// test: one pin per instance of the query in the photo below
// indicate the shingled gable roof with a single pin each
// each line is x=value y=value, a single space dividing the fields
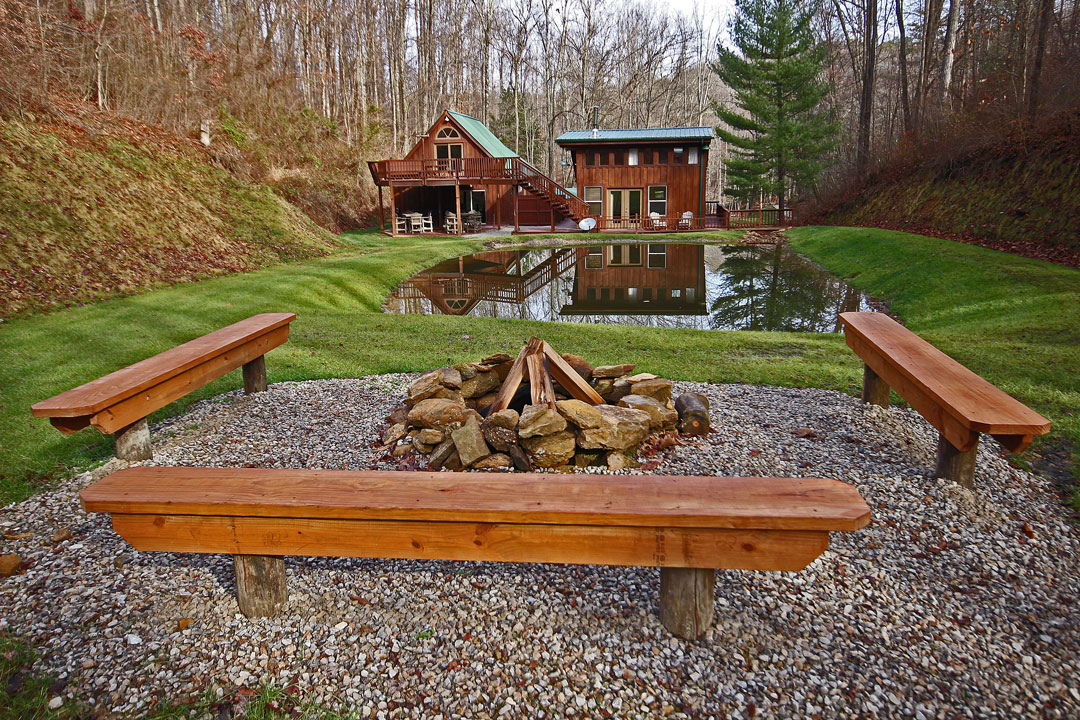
x=673 y=134
x=483 y=137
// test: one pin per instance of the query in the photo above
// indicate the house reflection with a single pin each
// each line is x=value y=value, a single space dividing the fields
x=641 y=279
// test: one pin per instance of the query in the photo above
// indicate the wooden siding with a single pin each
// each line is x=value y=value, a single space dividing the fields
x=425 y=148
x=684 y=182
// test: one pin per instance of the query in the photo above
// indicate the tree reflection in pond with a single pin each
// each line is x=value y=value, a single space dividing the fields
x=769 y=287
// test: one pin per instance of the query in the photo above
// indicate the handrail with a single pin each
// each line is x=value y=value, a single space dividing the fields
x=514 y=170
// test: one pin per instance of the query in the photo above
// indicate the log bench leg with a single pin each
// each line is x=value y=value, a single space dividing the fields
x=686 y=600
x=874 y=389
x=956 y=465
x=255 y=375
x=133 y=442
x=260 y=584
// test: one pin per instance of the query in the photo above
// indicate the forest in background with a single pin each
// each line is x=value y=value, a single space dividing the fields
x=299 y=94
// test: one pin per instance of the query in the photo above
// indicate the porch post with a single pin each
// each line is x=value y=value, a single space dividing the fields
x=498 y=207
x=457 y=208
x=517 y=221
x=393 y=211
x=552 y=208
x=382 y=213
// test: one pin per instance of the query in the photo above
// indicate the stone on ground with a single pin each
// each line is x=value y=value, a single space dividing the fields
x=581 y=414
x=540 y=420
x=621 y=429
x=548 y=451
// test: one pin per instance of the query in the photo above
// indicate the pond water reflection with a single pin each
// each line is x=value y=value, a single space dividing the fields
x=710 y=287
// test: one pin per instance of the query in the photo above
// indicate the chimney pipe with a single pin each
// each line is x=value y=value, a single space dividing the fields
x=596 y=121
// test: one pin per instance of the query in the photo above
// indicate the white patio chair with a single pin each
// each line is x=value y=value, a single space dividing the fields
x=425 y=224
x=657 y=222
x=415 y=223
x=451 y=223
x=401 y=224
x=686 y=220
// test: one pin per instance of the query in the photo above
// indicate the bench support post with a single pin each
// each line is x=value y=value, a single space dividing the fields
x=956 y=465
x=686 y=600
x=133 y=441
x=255 y=375
x=260 y=584
x=874 y=390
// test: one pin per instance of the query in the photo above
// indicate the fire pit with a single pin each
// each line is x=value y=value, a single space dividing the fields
x=540 y=410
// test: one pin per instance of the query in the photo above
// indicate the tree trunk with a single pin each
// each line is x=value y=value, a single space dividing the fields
x=1046 y=11
x=948 y=55
x=905 y=103
x=866 y=100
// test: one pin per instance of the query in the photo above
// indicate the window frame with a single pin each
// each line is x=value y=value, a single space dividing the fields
x=449 y=151
x=599 y=201
x=651 y=200
x=447 y=133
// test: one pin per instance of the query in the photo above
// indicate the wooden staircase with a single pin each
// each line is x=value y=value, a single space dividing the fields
x=539 y=184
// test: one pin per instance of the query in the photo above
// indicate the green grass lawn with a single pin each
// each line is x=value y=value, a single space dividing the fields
x=1006 y=318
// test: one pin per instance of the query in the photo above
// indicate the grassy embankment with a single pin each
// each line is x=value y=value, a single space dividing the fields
x=1004 y=317
x=97 y=206
x=1012 y=320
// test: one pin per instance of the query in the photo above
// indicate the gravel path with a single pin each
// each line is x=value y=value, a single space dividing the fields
x=950 y=604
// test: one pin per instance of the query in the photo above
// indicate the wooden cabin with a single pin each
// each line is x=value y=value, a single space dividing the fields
x=642 y=179
x=461 y=178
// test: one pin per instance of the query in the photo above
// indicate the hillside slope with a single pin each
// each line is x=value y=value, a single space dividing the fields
x=93 y=205
x=1019 y=193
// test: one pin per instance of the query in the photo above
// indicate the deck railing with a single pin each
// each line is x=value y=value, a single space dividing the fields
x=761 y=217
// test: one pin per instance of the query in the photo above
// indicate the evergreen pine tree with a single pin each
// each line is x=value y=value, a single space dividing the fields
x=777 y=130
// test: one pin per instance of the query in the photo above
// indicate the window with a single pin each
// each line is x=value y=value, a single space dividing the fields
x=679 y=156
x=594 y=198
x=594 y=259
x=445 y=151
x=657 y=256
x=624 y=255
x=632 y=157
x=447 y=132
x=592 y=158
x=661 y=156
x=658 y=199
x=605 y=158
x=676 y=293
x=692 y=160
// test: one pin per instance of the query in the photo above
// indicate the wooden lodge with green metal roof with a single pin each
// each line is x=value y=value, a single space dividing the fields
x=460 y=178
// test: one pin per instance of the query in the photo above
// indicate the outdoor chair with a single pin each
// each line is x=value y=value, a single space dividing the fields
x=656 y=221
x=415 y=223
x=686 y=220
x=451 y=223
x=401 y=224
x=425 y=224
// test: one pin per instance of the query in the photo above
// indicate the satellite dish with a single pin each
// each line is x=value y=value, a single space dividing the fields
x=587 y=224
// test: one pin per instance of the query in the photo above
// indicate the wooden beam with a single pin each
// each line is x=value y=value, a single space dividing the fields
x=382 y=212
x=566 y=376
x=513 y=380
x=457 y=209
x=502 y=542
x=260 y=584
x=874 y=390
x=956 y=465
x=535 y=364
x=686 y=600
x=138 y=406
x=517 y=220
x=255 y=375
x=393 y=210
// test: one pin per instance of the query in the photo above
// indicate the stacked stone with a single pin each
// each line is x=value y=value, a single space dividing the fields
x=440 y=419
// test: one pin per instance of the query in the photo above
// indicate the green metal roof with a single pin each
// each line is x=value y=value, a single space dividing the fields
x=479 y=132
x=690 y=134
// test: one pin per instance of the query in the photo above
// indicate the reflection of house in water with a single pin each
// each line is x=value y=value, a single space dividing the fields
x=647 y=279
x=456 y=286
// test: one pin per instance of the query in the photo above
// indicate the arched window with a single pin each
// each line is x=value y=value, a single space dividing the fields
x=447 y=132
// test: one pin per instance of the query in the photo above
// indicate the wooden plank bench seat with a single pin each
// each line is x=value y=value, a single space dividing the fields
x=956 y=401
x=119 y=402
x=687 y=526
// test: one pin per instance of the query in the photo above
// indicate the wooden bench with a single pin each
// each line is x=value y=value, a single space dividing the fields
x=956 y=401
x=119 y=402
x=687 y=526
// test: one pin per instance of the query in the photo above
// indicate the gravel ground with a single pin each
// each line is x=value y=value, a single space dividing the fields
x=950 y=604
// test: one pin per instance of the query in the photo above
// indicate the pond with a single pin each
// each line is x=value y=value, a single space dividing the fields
x=708 y=287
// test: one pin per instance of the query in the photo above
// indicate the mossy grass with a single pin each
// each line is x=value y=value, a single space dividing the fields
x=1012 y=320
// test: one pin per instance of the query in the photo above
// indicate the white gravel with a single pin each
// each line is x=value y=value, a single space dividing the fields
x=950 y=604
